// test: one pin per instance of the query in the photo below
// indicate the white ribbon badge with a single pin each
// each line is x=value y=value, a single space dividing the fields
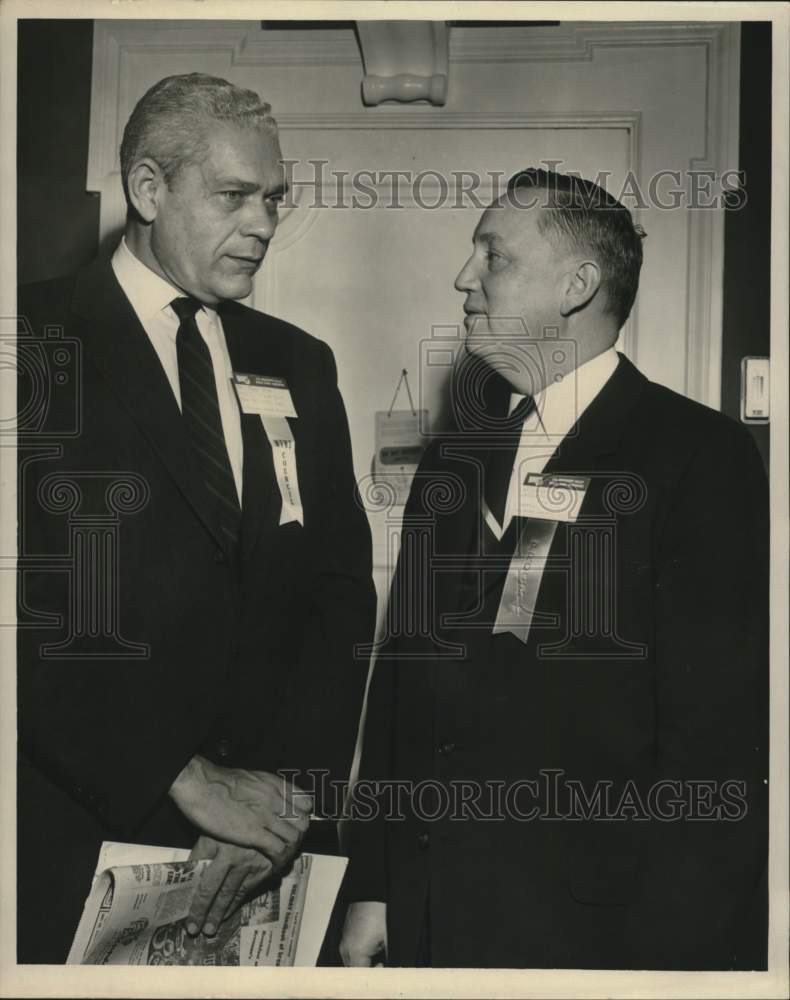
x=283 y=447
x=516 y=612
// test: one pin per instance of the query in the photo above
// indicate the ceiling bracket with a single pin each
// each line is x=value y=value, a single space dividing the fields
x=405 y=61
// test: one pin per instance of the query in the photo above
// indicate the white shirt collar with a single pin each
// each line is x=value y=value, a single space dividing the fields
x=557 y=408
x=148 y=292
x=560 y=404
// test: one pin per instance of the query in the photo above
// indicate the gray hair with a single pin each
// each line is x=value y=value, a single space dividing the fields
x=170 y=121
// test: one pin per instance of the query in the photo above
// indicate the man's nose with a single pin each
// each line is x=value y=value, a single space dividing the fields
x=262 y=223
x=466 y=281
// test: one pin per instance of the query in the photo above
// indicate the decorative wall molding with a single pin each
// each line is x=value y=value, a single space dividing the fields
x=396 y=119
x=326 y=47
x=575 y=41
x=431 y=118
x=705 y=281
x=252 y=46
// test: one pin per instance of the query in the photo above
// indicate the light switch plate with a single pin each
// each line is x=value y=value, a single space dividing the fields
x=755 y=390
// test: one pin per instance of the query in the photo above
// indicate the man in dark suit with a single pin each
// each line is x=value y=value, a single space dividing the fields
x=565 y=751
x=195 y=568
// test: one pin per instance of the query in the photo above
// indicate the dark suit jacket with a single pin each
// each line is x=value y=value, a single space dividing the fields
x=143 y=639
x=650 y=667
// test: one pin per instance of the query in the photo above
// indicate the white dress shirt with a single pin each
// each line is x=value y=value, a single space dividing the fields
x=557 y=408
x=150 y=296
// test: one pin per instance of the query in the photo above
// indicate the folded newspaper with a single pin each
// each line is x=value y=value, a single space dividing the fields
x=136 y=913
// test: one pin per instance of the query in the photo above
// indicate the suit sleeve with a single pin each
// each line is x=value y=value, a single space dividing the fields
x=112 y=732
x=711 y=629
x=366 y=832
x=340 y=610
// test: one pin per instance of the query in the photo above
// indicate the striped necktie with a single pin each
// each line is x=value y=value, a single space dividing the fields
x=200 y=408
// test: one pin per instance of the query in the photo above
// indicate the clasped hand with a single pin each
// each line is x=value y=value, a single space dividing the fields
x=253 y=823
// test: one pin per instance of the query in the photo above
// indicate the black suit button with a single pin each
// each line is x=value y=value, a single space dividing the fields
x=446 y=748
x=219 y=556
x=224 y=748
x=424 y=841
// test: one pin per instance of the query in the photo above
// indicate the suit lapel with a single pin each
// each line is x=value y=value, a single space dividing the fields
x=259 y=490
x=595 y=435
x=598 y=431
x=460 y=534
x=119 y=346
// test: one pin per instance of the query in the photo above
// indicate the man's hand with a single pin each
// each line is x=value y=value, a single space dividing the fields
x=246 y=808
x=364 y=934
x=233 y=875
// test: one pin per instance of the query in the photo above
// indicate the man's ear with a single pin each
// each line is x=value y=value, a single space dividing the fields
x=145 y=185
x=581 y=286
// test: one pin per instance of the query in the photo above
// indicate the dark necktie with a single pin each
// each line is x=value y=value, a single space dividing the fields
x=501 y=457
x=200 y=408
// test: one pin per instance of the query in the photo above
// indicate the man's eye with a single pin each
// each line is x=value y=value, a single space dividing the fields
x=233 y=197
x=493 y=259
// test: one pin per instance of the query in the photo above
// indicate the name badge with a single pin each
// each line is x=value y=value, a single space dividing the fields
x=283 y=447
x=269 y=397
x=266 y=395
x=552 y=496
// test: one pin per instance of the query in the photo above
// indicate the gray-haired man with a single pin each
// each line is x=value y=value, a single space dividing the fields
x=242 y=577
